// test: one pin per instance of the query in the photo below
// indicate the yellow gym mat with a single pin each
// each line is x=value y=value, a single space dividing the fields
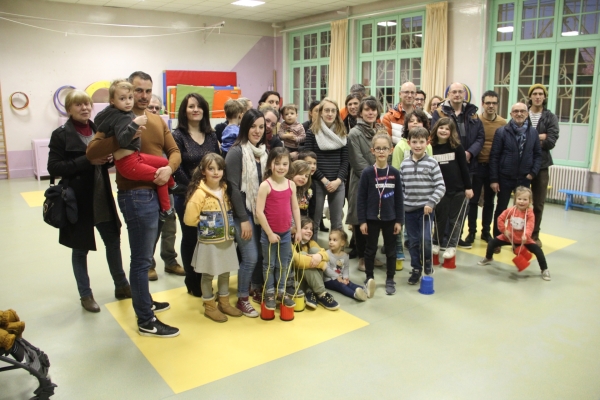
x=34 y=199
x=231 y=347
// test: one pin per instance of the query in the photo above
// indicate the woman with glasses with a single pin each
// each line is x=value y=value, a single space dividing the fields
x=327 y=138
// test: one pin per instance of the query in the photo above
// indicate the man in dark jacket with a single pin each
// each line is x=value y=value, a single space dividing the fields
x=515 y=158
x=546 y=124
x=470 y=129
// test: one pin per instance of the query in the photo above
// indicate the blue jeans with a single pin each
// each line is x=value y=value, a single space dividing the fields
x=347 y=290
x=111 y=236
x=140 y=210
x=416 y=247
x=250 y=251
x=273 y=270
x=189 y=239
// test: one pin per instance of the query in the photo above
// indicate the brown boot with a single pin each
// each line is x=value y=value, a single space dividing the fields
x=90 y=304
x=16 y=328
x=152 y=275
x=226 y=308
x=8 y=316
x=211 y=311
x=123 y=292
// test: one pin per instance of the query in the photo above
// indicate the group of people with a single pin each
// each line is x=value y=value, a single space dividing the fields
x=250 y=194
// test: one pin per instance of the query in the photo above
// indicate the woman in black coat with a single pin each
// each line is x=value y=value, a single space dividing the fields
x=95 y=204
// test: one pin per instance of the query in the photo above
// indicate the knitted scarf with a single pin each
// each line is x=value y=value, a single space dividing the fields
x=328 y=140
x=250 y=180
x=520 y=134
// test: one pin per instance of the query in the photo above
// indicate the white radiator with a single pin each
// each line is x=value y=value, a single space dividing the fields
x=570 y=178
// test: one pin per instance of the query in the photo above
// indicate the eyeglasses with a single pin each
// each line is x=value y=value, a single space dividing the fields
x=419 y=99
x=491 y=103
x=157 y=108
x=408 y=92
x=457 y=92
x=329 y=110
x=381 y=149
x=519 y=111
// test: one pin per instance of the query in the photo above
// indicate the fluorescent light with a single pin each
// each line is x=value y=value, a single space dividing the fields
x=248 y=3
x=570 y=33
x=418 y=34
x=506 y=29
x=387 y=23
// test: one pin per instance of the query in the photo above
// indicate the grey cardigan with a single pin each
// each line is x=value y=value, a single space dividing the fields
x=233 y=167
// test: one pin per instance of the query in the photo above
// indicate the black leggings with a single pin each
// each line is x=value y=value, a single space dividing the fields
x=534 y=248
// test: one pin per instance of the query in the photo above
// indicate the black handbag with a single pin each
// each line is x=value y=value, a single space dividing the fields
x=60 y=206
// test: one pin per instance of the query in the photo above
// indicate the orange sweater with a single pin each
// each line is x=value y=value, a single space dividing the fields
x=517 y=223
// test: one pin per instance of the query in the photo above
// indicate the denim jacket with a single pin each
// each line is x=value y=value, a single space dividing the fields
x=212 y=216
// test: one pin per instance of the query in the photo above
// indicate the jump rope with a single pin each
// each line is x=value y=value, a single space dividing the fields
x=461 y=218
x=506 y=223
x=279 y=280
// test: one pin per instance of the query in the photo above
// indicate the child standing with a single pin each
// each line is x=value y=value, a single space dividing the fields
x=275 y=206
x=233 y=112
x=300 y=173
x=380 y=207
x=450 y=155
x=423 y=189
x=517 y=223
x=118 y=120
x=337 y=274
x=208 y=208
x=310 y=260
x=292 y=131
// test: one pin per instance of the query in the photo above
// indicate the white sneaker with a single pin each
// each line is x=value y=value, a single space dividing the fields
x=546 y=275
x=449 y=253
x=435 y=249
x=485 y=261
x=361 y=264
x=370 y=287
x=360 y=294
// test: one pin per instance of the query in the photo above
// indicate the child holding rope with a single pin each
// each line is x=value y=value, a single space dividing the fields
x=452 y=208
x=518 y=223
x=275 y=206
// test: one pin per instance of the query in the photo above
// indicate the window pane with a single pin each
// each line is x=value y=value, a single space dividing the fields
x=589 y=24
x=310 y=85
x=324 y=81
x=528 y=29
x=581 y=109
x=572 y=7
x=416 y=71
x=296 y=79
x=570 y=24
x=366 y=74
x=386 y=35
x=585 y=66
x=545 y=28
x=502 y=70
x=527 y=63
x=367 y=45
x=325 y=43
x=367 y=31
x=504 y=94
x=385 y=81
x=506 y=12
x=296 y=47
x=530 y=9
x=542 y=72
x=563 y=104
x=567 y=67
x=367 y=38
x=417 y=24
x=546 y=8
x=591 y=5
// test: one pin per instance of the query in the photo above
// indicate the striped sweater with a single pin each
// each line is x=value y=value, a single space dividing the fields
x=422 y=182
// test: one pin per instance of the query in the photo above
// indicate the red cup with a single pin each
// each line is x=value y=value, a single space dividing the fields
x=266 y=315
x=436 y=259
x=449 y=263
x=286 y=313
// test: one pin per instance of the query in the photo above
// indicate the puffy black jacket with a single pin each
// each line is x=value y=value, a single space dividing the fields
x=547 y=124
x=475 y=134
x=504 y=157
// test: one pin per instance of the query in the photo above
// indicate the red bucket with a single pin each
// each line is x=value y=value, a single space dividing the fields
x=521 y=262
x=450 y=263
x=523 y=252
x=265 y=314
x=436 y=259
x=286 y=313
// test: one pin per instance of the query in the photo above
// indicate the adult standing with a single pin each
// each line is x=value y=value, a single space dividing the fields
x=515 y=158
x=434 y=103
x=470 y=128
x=245 y=163
x=481 y=178
x=327 y=138
x=271 y=116
x=138 y=202
x=352 y=105
x=420 y=98
x=195 y=138
x=313 y=113
x=271 y=98
x=361 y=157
x=393 y=120
x=169 y=228
x=357 y=89
x=546 y=124
x=95 y=204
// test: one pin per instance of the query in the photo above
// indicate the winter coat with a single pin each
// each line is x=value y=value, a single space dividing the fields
x=475 y=134
x=504 y=157
x=393 y=120
x=212 y=216
x=302 y=255
x=517 y=223
x=359 y=151
x=67 y=159
x=548 y=124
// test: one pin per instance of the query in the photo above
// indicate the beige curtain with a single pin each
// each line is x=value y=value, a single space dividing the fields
x=596 y=153
x=435 y=52
x=338 y=61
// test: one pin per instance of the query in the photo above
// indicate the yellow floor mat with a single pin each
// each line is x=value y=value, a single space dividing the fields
x=231 y=347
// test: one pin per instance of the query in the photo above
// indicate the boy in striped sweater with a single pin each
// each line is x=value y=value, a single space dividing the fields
x=424 y=187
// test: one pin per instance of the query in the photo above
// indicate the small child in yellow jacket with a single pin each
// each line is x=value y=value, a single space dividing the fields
x=310 y=261
x=208 y=208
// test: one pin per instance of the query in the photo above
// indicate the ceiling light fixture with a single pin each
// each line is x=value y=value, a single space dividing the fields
x=506 y=29
x=570 y=33
x=248 y=3
x=387 y=23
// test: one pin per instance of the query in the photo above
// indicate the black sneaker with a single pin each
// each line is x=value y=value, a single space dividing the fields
x=327 y=301
x=429 y=270
x=486 y=237
x=157 y=306
x=470 y=238
x=414 y=277
x=156 y=328
x=464 y=244
x=311 y=300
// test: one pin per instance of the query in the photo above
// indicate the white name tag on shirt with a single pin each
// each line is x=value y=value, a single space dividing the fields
x=385 y=185
x=445 y=158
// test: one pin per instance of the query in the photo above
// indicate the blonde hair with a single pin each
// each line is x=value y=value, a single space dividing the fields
x=77 y=96
x=338 y=125
x=300 y=167
x=119 y=84
x=523 y=189
x=382 y=136
x=233 y=108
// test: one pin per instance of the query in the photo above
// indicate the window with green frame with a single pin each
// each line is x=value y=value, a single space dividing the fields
x=556 y=43
x=309 y=66
x=390 y=50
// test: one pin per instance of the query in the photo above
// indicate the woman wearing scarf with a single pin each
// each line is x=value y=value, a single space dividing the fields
x=327 y=139
x=352 y=105
x=245 y=163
